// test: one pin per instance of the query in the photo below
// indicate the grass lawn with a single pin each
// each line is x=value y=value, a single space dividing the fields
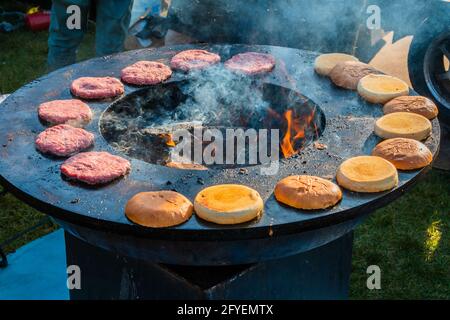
x=409 y=239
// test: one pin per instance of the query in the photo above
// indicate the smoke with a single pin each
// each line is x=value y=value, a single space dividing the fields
x=143 y=123
x=319 y=25
x=220 y=98
x=326 y=25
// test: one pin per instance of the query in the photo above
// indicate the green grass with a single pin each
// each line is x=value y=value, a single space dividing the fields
x=409 y=239
x=23 y=57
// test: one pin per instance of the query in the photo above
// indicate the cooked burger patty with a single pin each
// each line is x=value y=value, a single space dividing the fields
x=146 y=73
x=63 y=140
x=251 y=63
x=95 y=167
x=193 y=59
x=73 y=111
x=96 y=88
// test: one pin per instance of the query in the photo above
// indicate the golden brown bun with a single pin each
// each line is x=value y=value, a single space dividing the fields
x=403 y=125
x=228 y=204
x=404 y=154
x=307 y=192
x=326 y=62
x=347 y=74
x=158 y=209
x=415 y=104
x=380 y=88
x=367 y=174
x=186 y=166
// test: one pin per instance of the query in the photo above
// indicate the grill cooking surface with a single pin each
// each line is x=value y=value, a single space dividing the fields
x=36 y=178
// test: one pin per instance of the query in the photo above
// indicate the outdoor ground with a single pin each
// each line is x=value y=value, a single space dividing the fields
x=409 y=239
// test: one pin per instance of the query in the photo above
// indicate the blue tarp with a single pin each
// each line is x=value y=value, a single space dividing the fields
x=36 y=270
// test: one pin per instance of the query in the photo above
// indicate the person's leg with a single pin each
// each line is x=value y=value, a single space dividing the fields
x=113 y=19
x=63 y=42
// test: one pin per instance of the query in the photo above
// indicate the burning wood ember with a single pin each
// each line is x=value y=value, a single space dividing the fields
x=166 y=132
x=320 y=146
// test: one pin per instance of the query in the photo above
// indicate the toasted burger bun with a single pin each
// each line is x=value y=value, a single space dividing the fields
x=347 y=74
x=158 y=209
x=380 y=88
x=415 y=104
x=326 y=62
x=307 y=192
x=404 y=154
x=403 y=125
x=367 y=174
x=228 y=204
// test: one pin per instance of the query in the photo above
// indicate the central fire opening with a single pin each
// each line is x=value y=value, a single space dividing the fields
x=145 y=123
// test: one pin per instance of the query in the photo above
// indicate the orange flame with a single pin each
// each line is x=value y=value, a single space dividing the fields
x=295 y=131
x=168 y=139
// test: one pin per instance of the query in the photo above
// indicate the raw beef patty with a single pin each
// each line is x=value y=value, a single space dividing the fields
x=73 y=111
x=96 y=88
x=193 y=59
x=251 y=63
x=95 y=167
x=63 y=140
x=146 y=73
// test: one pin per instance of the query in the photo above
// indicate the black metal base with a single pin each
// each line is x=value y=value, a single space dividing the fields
x=322 y=273
x=443 y=158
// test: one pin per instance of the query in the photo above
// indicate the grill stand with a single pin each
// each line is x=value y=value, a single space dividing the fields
x=96 y=216
x=442 y=161
x=321 y=273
